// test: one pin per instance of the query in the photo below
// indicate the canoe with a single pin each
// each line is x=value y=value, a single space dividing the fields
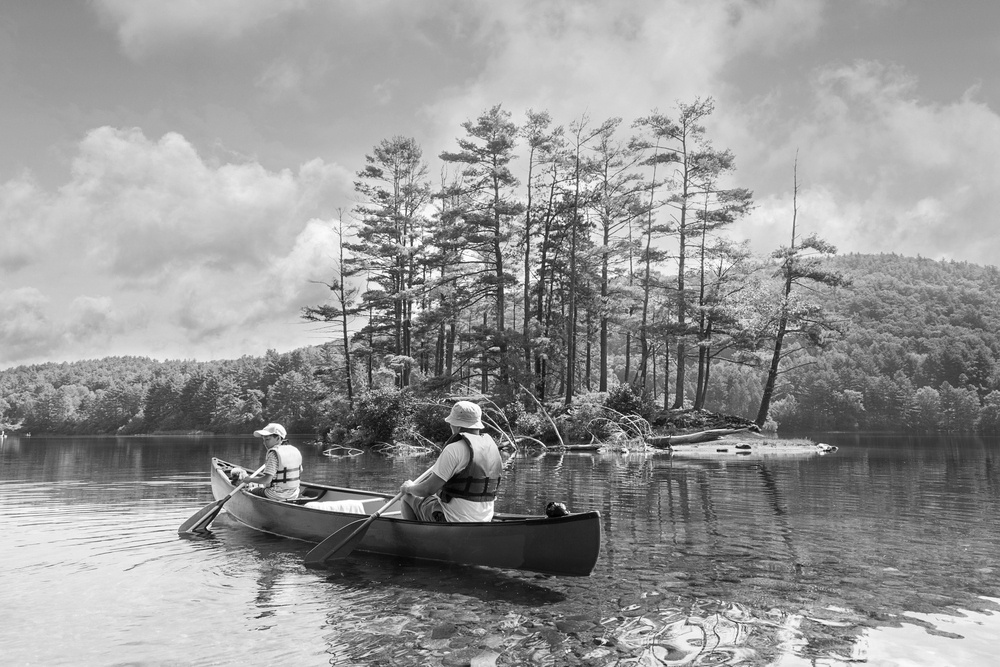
x=564 y=546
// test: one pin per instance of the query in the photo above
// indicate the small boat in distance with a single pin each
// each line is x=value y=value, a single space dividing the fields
x=565 y=546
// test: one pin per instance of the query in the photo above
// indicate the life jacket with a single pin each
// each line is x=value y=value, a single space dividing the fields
x=289 y=467
x=480 y=479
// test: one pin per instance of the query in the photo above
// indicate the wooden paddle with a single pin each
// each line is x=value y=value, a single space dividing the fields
x=341 y=543
x=206 y=515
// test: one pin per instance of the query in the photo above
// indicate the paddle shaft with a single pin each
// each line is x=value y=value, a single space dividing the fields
x=338 y=546
x=200 y=519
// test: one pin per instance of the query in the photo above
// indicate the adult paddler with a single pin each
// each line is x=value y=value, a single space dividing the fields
x=462 y=484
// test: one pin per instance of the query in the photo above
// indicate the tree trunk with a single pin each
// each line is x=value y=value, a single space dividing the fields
x=772 y=375
x=681 y=297
x=484 y=382
x=449 y=355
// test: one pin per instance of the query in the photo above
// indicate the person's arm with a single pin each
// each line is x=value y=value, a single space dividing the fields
x=270 y=469
x=263 y=479
x=428 y=487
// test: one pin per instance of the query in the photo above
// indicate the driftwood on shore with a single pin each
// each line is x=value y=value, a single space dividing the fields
x=667 y=441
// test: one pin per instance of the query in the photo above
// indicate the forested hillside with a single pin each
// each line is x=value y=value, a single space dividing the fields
x=919 y=351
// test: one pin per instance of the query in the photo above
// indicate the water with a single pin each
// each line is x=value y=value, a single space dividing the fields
x=884 y=553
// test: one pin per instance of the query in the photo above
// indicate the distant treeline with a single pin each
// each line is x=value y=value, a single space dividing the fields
x=920 y=352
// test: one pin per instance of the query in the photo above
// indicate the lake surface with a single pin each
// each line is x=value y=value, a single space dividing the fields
x=883 y=553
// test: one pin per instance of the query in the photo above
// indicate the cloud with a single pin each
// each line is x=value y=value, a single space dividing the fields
x=280 y=78
x=615 y=59
x=147 y=209
x=384 y=91
x=275 y=290
x=882 y=170
x=25 y=328
x=31 y=328
x=143 y=25
x=294 y=78
x=21 y=244
x=184 y=245
x=771 y=28
x=92 y=320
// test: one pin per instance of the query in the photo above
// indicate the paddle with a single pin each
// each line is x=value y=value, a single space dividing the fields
x=341 y=543
x=199 y=522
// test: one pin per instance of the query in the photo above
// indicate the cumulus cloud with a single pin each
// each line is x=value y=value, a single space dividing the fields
x=148 y=209
x=185 y=245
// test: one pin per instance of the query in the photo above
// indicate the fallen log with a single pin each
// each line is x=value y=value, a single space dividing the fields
x=666 y=441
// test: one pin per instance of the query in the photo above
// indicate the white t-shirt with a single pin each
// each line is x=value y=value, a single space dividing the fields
x=452 y=461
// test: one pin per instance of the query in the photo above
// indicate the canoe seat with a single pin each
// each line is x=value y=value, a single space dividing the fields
x=310 y=494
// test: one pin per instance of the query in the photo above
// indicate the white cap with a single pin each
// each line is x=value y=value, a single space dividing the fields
x=465 y=414
x=271 y=429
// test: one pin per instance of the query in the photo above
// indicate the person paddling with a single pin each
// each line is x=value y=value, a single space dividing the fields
x=463 y=482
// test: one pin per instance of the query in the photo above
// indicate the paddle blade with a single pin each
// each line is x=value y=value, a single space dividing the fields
x=339 y=544
x=202 y=518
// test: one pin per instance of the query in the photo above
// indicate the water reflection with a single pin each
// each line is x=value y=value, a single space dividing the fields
x=885 y=549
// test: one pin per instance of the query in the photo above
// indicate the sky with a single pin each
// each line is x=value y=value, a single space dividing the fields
x=171 y=172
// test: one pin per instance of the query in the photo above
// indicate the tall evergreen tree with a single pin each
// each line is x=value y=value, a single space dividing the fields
x=617 y=204
x=394 y=191
x=719 y=208
x=655 y=144
x=487 y=208
x=542 y=142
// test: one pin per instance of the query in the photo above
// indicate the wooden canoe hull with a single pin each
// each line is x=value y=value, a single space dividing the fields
x=565 y=546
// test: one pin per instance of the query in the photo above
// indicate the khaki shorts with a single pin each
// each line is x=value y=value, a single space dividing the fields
x=429 y=509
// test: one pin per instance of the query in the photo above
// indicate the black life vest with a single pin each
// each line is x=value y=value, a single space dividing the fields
x=480 y=479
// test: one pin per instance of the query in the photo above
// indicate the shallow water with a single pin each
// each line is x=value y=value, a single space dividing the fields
x=883 y=553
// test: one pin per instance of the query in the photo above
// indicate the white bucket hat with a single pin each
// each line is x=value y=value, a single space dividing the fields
x=271 y=429
x=465 y=414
